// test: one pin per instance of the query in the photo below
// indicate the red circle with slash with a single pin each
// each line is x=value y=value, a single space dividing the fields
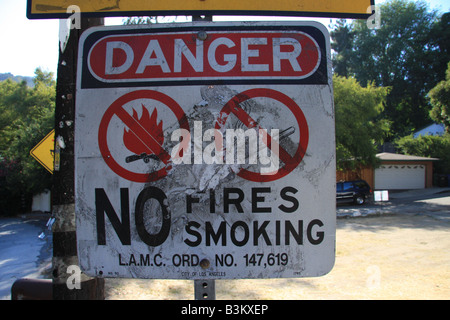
x=116 y=108
x=290 y=162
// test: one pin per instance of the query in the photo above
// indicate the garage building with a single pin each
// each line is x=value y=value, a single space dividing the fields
x=398 y=171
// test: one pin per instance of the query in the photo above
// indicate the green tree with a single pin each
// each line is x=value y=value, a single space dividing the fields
x=440 y=35
x=440 y=100
x=428 y=146
x=27 y=115
x=342 y=46
x=404 y=54
x=358 y=127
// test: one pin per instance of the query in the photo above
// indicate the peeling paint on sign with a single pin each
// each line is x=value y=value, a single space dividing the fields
x=189 y=175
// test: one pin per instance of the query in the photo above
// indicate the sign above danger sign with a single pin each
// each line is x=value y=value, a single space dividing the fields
x=46 y=9
x=205 y=151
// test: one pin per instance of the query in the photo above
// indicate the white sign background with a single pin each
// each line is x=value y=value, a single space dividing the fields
x=221 y=225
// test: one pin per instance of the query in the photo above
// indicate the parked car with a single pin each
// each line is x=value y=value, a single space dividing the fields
x=357 y=191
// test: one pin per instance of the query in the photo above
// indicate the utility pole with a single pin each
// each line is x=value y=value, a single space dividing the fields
x=65 y=253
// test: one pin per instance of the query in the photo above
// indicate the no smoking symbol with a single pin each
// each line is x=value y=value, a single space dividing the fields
x=290 y=162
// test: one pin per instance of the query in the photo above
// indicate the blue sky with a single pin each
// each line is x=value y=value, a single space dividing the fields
x=28 y=44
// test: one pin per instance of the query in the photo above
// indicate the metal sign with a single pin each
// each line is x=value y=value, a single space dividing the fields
x=45 y=9
x=205 y=151
x=43 y=152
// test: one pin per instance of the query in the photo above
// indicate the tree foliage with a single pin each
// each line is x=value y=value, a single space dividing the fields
x=440 y=100
x=407 y=53
x=428 y=146
x=342 y=46
x=26 y=116
x=358 y=127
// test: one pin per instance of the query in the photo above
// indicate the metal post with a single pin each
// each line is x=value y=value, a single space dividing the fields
x=63 y=197
x=204 y=289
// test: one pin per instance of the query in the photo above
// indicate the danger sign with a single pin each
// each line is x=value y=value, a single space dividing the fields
x=205 y=151
x=211 y=55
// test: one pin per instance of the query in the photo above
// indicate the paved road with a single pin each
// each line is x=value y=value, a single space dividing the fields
x=433 y=202
x=22 y=253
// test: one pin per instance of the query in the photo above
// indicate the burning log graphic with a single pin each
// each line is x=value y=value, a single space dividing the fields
x=138 y=145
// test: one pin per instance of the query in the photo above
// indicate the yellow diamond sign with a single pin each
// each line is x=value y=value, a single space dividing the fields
x=43 y=152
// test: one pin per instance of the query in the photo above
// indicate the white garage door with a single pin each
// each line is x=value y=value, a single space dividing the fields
x=400 y=177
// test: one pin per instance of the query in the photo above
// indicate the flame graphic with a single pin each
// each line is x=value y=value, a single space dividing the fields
x=150 y=123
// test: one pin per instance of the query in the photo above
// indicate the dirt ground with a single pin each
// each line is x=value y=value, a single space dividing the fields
x=381 y=257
